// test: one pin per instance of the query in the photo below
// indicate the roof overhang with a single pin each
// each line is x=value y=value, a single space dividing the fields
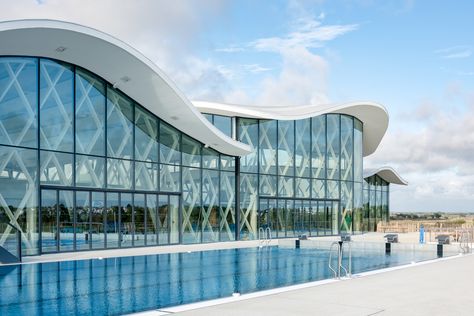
x=121 y=65
x=373 y=115
x=386 y=173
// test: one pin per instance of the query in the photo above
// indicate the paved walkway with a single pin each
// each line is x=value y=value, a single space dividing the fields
x=439 y=288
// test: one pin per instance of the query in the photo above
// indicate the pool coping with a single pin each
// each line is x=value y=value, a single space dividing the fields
x=242 y=297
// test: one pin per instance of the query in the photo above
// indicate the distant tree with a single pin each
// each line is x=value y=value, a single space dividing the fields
x=437 y=215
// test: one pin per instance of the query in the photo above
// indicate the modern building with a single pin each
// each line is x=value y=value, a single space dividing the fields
x=99 y=149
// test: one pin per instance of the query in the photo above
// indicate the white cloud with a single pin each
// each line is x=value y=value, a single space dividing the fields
x=436 y=157
x=455 y=52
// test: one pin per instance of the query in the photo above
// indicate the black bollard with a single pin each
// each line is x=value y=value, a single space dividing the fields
x=297 y=244
x=440 y=250
x=388 y=248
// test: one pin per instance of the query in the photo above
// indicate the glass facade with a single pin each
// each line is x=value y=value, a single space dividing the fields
x=375 y=203
x=308 y=173
x=83 y=166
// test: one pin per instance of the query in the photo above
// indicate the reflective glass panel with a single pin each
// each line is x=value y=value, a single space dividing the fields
x=170 y=178
x=303 y=147
x=66 y=220
x=49 y=221
x=83 y=221
x=192 y=217
x=18 y=101
x=140 y=220
x=112 y=220
x=358 y=151
x=97 y=220
x=268 y=146
x=174 y=219
x=56 y=168
x=90 y=114
x=318 y=147
x=191 y=151
x=90 y=171
x=119 y=125
x=286 y=145
x=248 y=134
x=227 y=206
x=151 y=220
x=119 y=173
x=224 y=124
x=333 y=146
x=347 y=148
x=163 y=219
x=56 y=106
x=146 y=136
x=210 y=205
x=146 y=176
x=170 y=140
x=127 y=228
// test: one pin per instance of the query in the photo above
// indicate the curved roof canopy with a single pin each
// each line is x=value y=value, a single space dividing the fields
x=120 y=64
x=386 y=173
x=373 y=115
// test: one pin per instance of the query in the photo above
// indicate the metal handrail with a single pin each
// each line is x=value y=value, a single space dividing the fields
x=268 y=232
x=330 y=258
x=340 y=255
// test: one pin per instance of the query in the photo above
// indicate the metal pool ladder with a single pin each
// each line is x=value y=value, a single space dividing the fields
x=465 y=242
x=264 y=236
x=339 y=246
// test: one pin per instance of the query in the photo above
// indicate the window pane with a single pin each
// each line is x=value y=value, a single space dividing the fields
x=139 y=214
x=224 y=124
x=97 y=224
x=347 y=147
x=210 y=203
x=191 y=152
x=302 y=187
x=286 y=144
x=303 y=148
x=146 y=176
x=358 y=151
x=174 y=219
x=170 y=178
x=112 y=220
x=248 y=134
x=248 y=206
x=285 y=186
x=66 y=220
x=18 y=202
x=82 y=220
x=126 y=213
x=227 y=206
x=90 y=114
x=56 y=168
x=192 y=220
x=163 y=219
x=119 y=173
x=268 y=185
x=56 y=106
x=146 y=136
x=90 y=171
x=119 y=125
x=318 y=151
x=151 y=220
x=169 y=145
x=210 y=158
x=18 y=101
x=268 y=146
x=49 y=221
x=333 y=146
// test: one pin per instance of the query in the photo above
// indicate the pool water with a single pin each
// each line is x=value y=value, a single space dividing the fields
x=117 y=286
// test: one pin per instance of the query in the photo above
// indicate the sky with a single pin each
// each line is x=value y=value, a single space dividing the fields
x=414 y=57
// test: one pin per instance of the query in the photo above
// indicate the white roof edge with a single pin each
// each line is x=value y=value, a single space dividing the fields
x=373 y=115
x=149 y=86
x=387 y=173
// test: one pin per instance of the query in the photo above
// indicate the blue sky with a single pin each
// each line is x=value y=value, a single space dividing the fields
x=414 y=57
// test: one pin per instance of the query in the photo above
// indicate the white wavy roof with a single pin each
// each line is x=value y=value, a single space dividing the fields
x=387 y=173
x=119 y=64
x=373 y=115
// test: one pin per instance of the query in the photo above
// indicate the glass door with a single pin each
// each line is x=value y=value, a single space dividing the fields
x=49 y=221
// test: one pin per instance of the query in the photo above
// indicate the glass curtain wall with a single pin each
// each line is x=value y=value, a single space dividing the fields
x=304 y=162
x=100 y=170
x=376 y=202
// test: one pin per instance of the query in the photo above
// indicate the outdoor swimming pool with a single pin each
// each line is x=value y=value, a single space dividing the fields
x=131 y=284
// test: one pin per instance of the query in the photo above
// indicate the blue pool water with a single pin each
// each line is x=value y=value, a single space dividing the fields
x=131 y=284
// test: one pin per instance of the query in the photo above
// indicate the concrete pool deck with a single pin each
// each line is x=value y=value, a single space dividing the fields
x=442 y=287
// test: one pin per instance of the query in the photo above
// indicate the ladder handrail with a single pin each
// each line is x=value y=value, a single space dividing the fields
x=340 y=254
